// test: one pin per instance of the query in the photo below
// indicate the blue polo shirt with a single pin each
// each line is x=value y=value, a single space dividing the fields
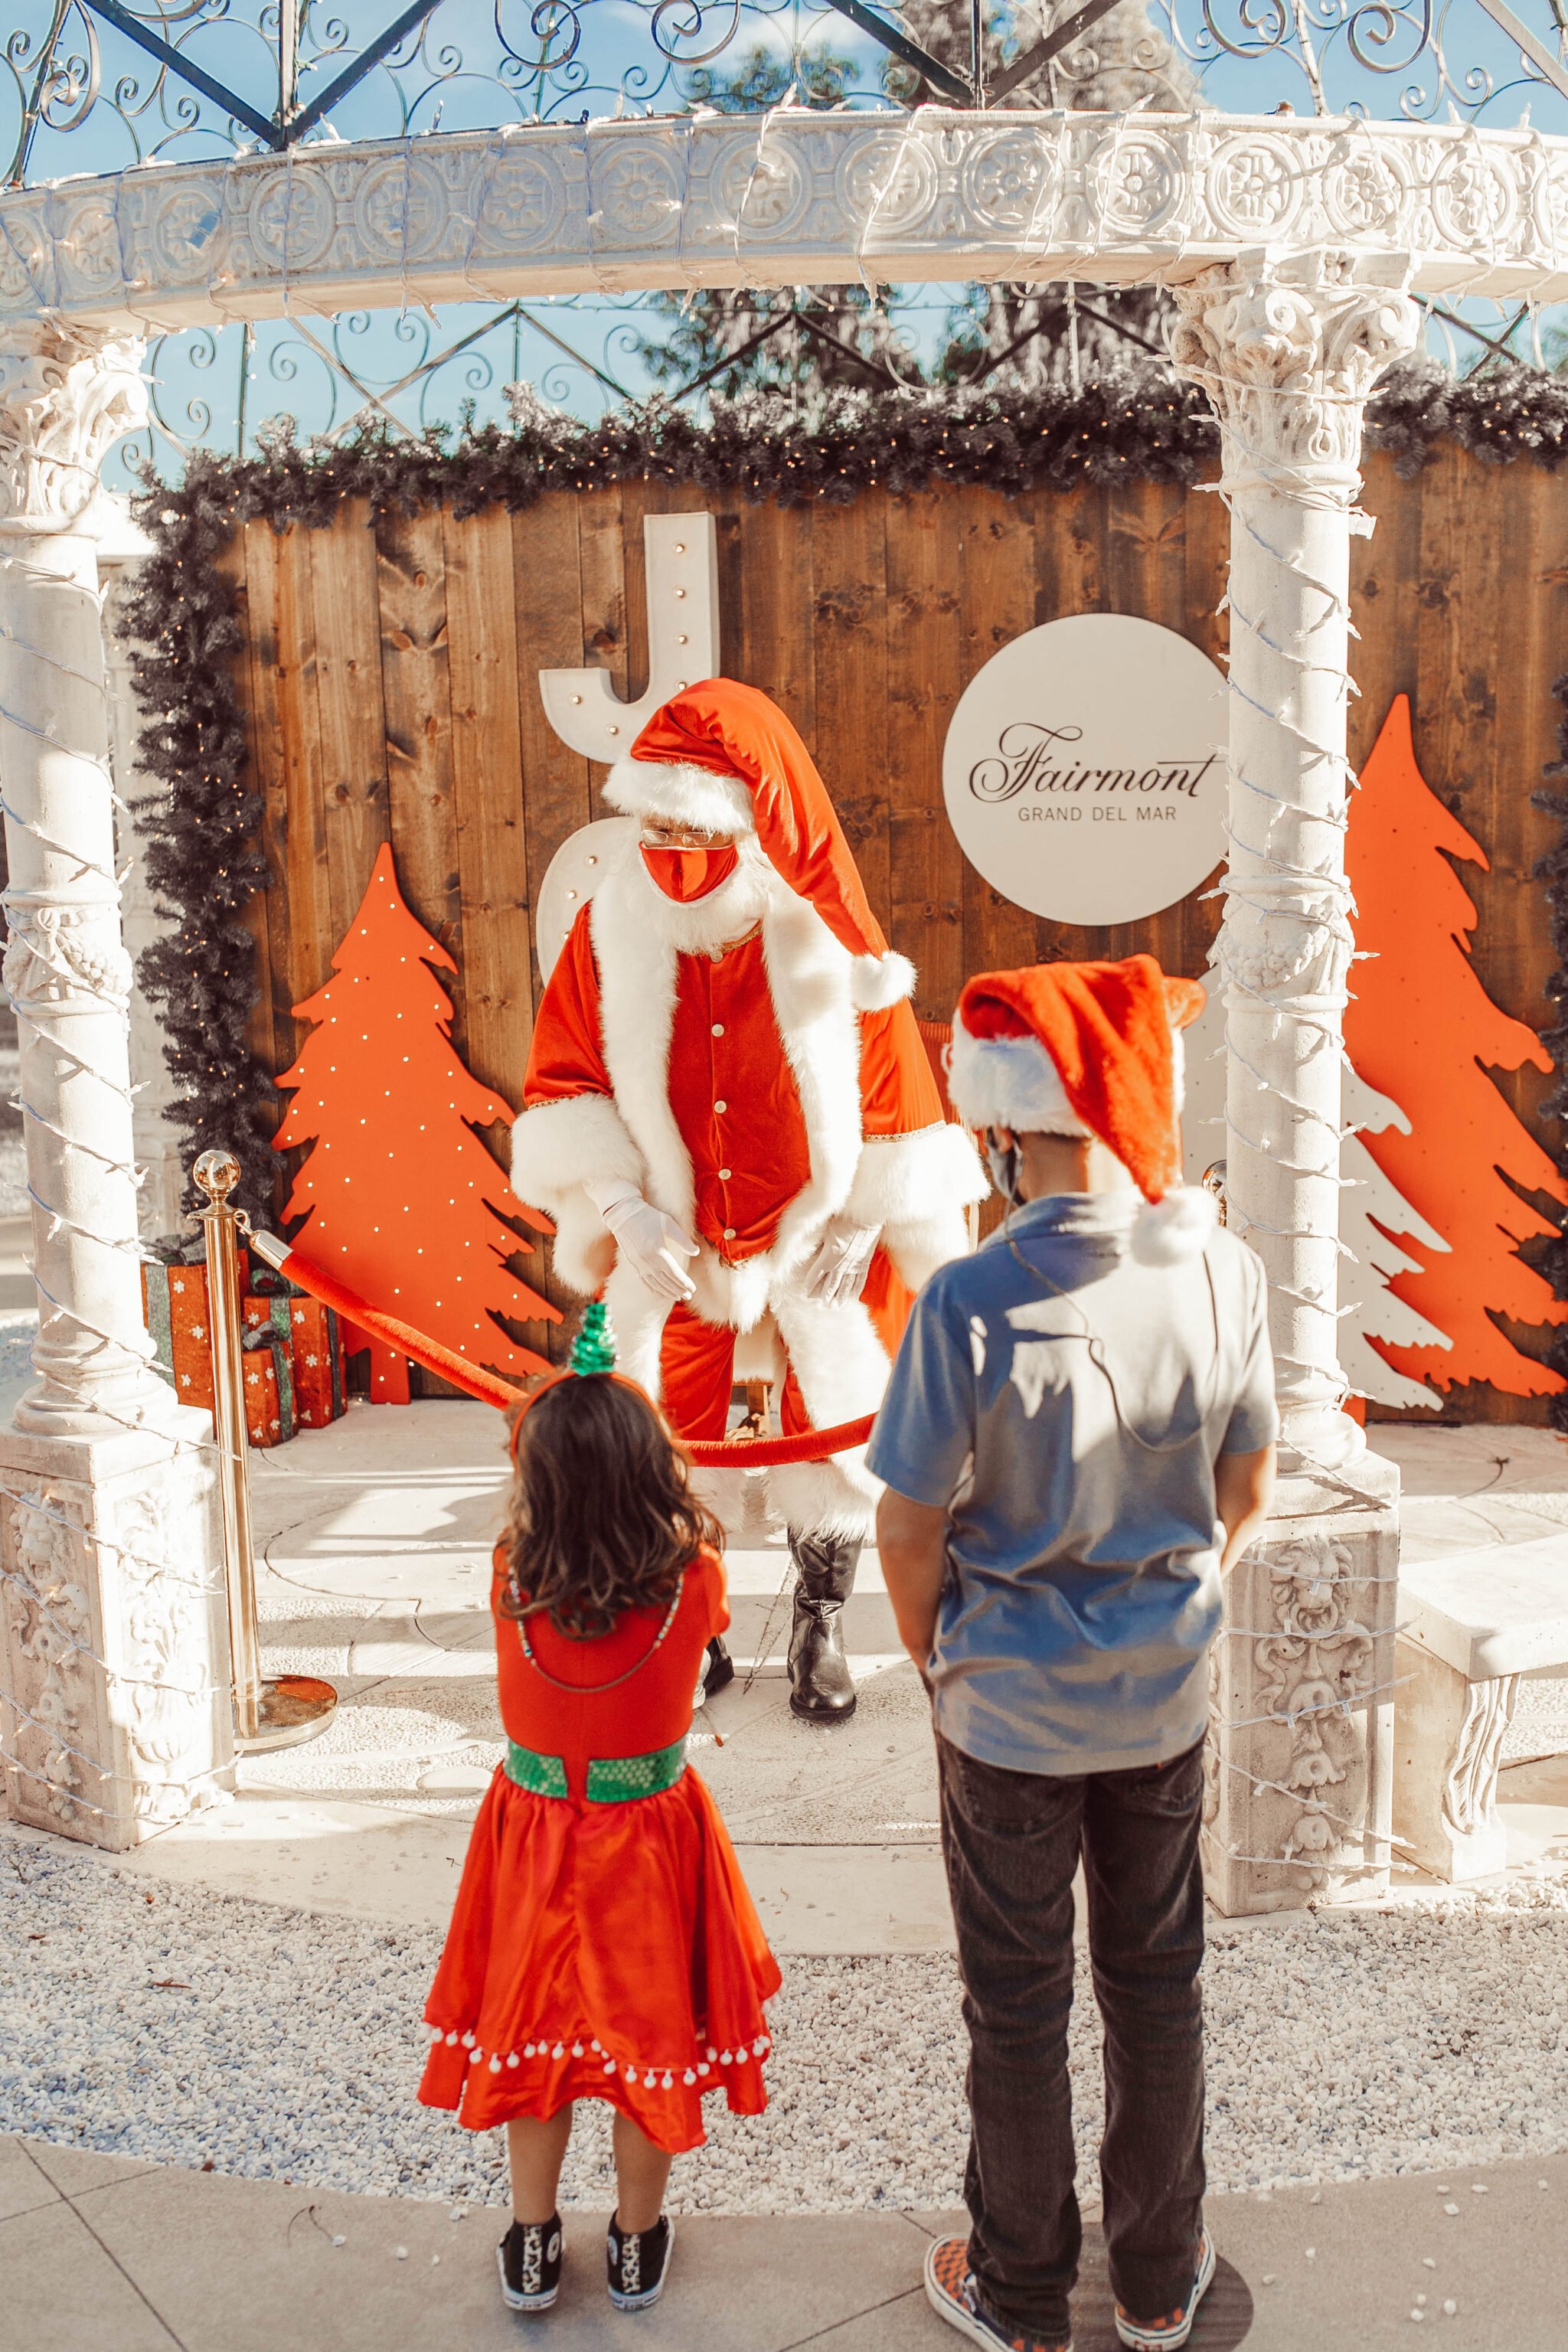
x=1067 y=1404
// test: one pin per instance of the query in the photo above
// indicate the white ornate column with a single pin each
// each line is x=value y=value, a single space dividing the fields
x=1301 y=1753
x=113 y=1669
x=1288 y=355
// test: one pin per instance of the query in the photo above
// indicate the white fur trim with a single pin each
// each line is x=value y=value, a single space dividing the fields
x=1178 y=1227
x=833 y=1498
x=842 y=1367
x=1013 y=1082
x=917 y=1188
x=556 y=1147
x=637 y=968
x=904 y=1179
x=723 y=1492
x=921 y=1248
x=638 y=1317
x=836 y=1354
x=637 y=935
x=878 y=980
x=1008 y=1082
x=680 y=794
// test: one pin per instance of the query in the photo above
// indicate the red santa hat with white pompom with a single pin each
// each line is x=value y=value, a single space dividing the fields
x=1089 y=1050
x=723 y=758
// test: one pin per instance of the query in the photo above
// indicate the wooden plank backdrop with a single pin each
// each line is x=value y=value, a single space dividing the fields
x=390 y=677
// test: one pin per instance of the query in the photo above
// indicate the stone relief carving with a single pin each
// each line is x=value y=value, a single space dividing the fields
x=51 y=954
x=158 y=1527
x=1469 y=1788
x=1312 y=1674
x=66 y=397
x=111 y=1620
x=1307 y=953
x=796 y=197
x=1287 y=351
x=1289 y=1786
x=49 y=1625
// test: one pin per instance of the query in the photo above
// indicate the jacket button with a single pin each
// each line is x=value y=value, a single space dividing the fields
x=721 y=1107
x=724 y=1175
x=718 y=1028
x=728 y=1233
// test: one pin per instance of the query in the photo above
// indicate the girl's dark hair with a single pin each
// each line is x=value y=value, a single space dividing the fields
x=601 y=1518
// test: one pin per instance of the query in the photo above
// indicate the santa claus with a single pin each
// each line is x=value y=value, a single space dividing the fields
x=732 y=1117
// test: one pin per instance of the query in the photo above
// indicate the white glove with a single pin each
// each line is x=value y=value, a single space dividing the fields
x=842 y=1260
x=652 y=1244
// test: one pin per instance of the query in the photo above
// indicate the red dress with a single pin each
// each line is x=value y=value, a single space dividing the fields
x=601 y=1950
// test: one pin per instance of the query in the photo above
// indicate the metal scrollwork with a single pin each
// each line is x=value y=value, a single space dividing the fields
x=1333 y=55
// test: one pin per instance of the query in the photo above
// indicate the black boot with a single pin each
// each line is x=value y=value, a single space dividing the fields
x=718 y=1669
x=821 y=1690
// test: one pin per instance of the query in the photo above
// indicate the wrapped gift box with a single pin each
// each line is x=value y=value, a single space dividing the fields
x=174 y=1300
x=316 y=1357
x=269 y=1390
x=292 y=1346
x=269 y=1368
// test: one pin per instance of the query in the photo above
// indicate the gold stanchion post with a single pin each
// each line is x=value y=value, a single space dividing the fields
x=286 y=1708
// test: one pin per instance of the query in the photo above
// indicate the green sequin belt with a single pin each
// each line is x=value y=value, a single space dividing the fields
x=612 y=1779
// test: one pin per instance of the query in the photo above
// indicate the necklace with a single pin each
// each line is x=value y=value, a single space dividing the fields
x=1096 y=1346
x=592 y=1690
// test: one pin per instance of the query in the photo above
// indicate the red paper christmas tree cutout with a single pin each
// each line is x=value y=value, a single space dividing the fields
x=1422 y=1030
x=400 y=1197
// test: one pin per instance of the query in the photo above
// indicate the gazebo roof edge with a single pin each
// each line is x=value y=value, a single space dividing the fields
x=792 y=196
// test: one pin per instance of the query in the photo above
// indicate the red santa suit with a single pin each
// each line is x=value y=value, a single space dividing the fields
x=748 y=1062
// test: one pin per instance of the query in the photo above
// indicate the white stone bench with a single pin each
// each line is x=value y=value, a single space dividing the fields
x=1472 y=1624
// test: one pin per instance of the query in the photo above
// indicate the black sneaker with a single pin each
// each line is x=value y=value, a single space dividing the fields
x=528 y=2260
x=639 y=2264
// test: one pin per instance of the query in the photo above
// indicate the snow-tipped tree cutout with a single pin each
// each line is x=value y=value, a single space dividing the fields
x=1370 y=1210
x=1431 y=1220
x=400 y=1196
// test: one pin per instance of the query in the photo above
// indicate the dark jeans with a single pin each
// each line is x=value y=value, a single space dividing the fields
x=1012 y=1842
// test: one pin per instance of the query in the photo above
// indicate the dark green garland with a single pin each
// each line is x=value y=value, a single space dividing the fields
x=201 y=828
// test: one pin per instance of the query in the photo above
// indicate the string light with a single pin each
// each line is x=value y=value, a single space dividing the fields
x=1135 y=423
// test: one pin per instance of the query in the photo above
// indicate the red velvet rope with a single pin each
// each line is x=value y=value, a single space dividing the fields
x=488 y=1387
x=745 y=1453
x=773 y=1453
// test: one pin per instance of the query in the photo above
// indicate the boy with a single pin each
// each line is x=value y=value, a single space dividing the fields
x=1078 y=1439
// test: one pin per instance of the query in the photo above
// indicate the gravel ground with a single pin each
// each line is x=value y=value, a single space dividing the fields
x=1539 y=1726
x=176 y=2024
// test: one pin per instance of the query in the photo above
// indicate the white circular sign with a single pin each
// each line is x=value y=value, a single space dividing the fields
x=1084 y=770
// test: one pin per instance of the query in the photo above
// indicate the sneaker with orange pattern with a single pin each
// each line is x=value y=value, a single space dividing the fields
x=952 y=2294
x=1172 y=2328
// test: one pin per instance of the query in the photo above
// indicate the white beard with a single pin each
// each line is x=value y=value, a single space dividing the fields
x=709 y=925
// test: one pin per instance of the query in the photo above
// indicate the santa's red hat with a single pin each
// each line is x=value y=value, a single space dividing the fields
x=723 y=758
x=1091 y=1050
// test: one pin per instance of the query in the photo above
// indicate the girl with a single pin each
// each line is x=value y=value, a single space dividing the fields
x=603 y=1945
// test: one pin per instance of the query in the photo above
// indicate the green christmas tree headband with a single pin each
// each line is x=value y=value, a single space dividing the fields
x=594 y=1348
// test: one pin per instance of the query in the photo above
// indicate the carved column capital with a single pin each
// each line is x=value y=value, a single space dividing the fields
x=66 y=397
x=1288 y=352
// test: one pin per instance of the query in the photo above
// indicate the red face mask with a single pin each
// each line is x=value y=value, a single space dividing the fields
x=685 y=875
